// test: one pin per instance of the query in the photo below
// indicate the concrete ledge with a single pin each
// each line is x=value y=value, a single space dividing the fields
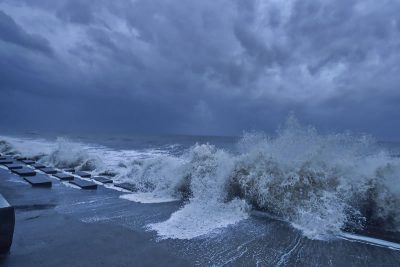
x=28 y=161
x=6 y=161
x=83 y=174
x=127 y=186
x=49 y=170
x=84 y=184
x=39 y=180
x=38 y=166
x=64 y=176
x=13 y=166
x=24 y=172
x=103 y=180
x=7 y=223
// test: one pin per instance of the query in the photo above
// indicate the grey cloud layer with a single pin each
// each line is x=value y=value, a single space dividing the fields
x=13 y=33
x=207 y=67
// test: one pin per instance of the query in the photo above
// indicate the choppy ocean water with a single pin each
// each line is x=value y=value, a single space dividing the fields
x=321 y=184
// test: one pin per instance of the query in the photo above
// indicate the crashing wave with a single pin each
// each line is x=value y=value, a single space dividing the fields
x=322 y=184
x=67 y=154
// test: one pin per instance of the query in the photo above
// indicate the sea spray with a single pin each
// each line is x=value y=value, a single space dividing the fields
x=206 y=170
x=68 y=154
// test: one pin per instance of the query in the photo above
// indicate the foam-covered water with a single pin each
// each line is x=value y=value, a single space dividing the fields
x=319 y=183
x=148 y=198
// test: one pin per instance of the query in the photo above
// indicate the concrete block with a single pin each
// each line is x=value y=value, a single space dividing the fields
x=64 y=176
x=84 y=184
x=127 y=186
x=7 y=223
x=38 y=166
x=39 y=180
x=83 y=174
x=14 y=166
x=49 y=170
x=6 y=161
x=24 y=172
x=28 y=161
x=103 y=180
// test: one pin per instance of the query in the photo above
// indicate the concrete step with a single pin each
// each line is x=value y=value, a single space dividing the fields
x=127 y=186
x=39 y=180
x=64 y=176
x=84 y=184
x=103 y=180
x=28 y=161
x=7 y=223
x=69 y=170
x=38 y=166
x=6 y=160
x=24 y=172
x=14 y=166
x=49 y=170
x=83 y=174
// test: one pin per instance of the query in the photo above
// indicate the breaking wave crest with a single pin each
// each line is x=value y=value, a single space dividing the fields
x=321 y=184
x=70 y=155
x=61 y=154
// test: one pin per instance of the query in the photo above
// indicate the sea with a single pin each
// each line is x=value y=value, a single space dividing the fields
x=325 y=186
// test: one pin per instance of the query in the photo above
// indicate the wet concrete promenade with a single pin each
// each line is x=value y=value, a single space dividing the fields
x=66 y=226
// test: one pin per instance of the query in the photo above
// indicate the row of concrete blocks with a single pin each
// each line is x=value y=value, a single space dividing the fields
x=40 y=180
x=36 y=179
x=7 y=212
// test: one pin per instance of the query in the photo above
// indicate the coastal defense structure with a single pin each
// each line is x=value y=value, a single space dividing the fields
x=36 y=175
x=7 y=222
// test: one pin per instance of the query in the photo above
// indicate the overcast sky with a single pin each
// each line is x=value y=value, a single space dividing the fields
x=199 y=67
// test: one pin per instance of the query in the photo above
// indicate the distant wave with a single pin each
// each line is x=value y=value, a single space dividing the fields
x=321 y=184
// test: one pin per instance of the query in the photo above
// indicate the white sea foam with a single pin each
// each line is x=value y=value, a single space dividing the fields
x=148 y=198
x=198 y=219
x=371 y=241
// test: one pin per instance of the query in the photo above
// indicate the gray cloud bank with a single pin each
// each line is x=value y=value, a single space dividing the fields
x=199 y=67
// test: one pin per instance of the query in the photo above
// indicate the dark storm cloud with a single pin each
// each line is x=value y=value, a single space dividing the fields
x=76 y=12
x=13 y=33
x=208 y=67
